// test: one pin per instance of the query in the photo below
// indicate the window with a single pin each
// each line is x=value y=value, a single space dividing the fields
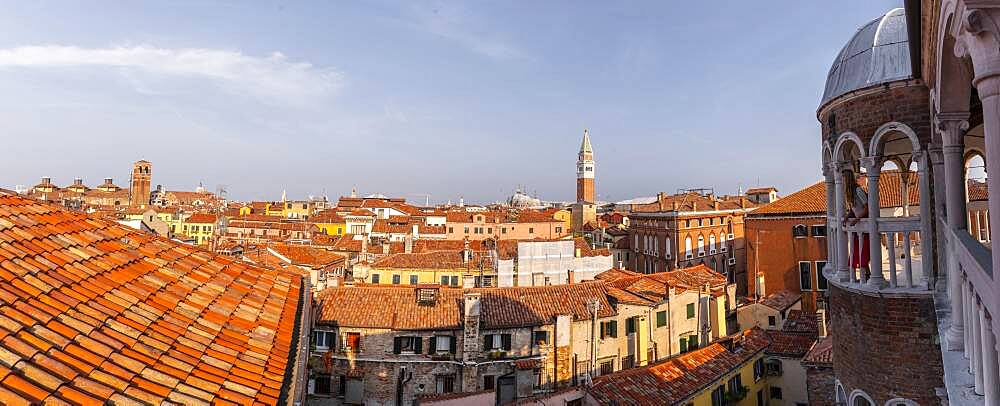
x=322 y=385
x=800 y=230
x=735 y=384
x=323 y=339
x=821 y=283
x=441 y=345
x=503 y=230
x=395 y=279
x=775 y=392
x=711 y=243
x=454 y=281
x=687 y=247
x=684 y=344
x=772 y=321
x=374 y=278
x=489 y=382
x=666 y=248
x=690 y=310
x=607 y=367
x=630 y=324
x=692 y=342
x=466 y=229
x=541 y=337
x=805 y=275
x=819 y=231
x=445 y=384
x=719 y=396
x=352 y=342
x=531 y=230
x=760 y=398
x=444 y=280
x=451 y=230
x=628 y=362
x=758 y=369
x=496 y=342
x=661 y=318
x=413 y=279
x=558 y=230
x=407 y=345
x=701 y=245
x=609 y=329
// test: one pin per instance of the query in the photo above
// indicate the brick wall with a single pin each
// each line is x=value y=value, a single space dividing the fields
x=820 y=386
x=886 y=346
x=780 y=254
x=864 y=114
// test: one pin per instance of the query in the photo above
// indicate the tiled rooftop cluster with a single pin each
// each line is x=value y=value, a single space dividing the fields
x=93 y=311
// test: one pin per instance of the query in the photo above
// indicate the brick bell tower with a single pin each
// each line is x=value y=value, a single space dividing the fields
x=585 y=171
x=138 y=193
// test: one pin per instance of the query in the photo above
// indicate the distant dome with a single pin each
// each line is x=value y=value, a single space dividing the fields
x=520 y=200
x=878 y=53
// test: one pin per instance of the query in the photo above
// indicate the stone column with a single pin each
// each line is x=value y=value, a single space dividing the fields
x=991 y=371
x=832 y=223
x=876 y=280
x=935 y=158
x=952 y=127
x=977 y=343
x=843 y=263
x=926 y=219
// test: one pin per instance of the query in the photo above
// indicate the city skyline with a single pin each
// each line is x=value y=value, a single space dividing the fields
x=470 y=95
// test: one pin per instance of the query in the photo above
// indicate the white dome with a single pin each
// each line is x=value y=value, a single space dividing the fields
x=877 y=53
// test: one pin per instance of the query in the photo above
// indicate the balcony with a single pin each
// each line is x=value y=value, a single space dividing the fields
x=898 y=263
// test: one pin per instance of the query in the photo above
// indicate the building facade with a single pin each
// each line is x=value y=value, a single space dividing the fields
x=139 y=184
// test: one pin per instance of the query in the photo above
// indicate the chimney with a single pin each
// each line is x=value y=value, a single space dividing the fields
x=578 y=253
x=694 y=206
x=659 y=200
x=821 y=322
x=675 y=205
x=715 y=205
x=364 y=245
x=743 y=203
x=46 y=180
x=107 y=181
x=416 y=231
x=466 y=251
x=385 y=248
x=408 y=244
x=470 y=336
x=569 y=276
x=77 y=181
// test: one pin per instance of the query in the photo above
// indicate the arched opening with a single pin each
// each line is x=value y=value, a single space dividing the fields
x=976 y=197
x=687 y=247
x=701 y=245
x=841 y=395
x=860 y=398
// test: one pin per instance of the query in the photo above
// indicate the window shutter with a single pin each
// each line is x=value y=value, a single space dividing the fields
x=505 y=341
x=604 y=329
x=614 y=328
x=418 y=345
x=684 y=344
x=397 y=344
x=432 y=345
x=451 y=344
x=488 y=342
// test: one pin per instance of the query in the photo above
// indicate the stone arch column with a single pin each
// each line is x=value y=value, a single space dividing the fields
x=873 y=167
x=952 y=127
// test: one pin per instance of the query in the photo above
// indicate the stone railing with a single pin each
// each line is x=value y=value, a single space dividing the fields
x=896 y=267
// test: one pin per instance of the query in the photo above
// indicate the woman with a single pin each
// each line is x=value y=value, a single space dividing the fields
x=857 y=209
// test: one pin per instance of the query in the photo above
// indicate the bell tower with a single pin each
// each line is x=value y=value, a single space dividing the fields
x=585 y=171
x=138 y=193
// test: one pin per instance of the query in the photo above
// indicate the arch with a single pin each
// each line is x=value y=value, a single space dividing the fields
x=901 y=402
x=954 y=95
x=701 y=244
x=827 y=153
x=840 y=395
x=687 y=245
x=874 y=148
x=711 y=242
x=845 y=138
x=860 y=398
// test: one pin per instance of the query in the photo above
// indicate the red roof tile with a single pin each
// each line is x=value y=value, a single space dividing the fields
x=94 y=308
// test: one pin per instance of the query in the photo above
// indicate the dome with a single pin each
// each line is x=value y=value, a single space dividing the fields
x=878 y=53
x=521 y=200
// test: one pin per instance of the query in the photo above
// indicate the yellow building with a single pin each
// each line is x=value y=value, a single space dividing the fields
x=435 y=267
x=329 y=222
x=566 y=216
x=730 y=371
x=200 y=227
x=168 y=215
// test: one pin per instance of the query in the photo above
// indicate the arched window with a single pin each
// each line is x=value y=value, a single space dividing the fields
x=701 y=245
x=860 y=398
x=666 y=248
x=800 y=230
x=687 y=247
x=901 y=402
x=711 y=243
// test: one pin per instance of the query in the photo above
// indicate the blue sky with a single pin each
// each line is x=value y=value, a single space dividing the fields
x=447 y=99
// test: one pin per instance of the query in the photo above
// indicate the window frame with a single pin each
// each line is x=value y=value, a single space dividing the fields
x=800 y=231
x=805 y=284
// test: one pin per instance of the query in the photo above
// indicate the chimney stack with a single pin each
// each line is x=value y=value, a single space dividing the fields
x=408 y=244
x=821 y=321
x=107 y=181
x=416 y=231
x=46 y=180
x=466 y=251
x=77 y=181
x=675 y=205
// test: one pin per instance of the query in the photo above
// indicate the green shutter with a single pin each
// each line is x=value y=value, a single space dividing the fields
x=451 y=344
x=487 y=342
x=604 y=330
x=418 y=345
x=684 y=344
x=397 y=345
x=505 y=341
x=661 y=318
x=693 y=341
x=613 y=327
x=431 y=345
x=690 y=310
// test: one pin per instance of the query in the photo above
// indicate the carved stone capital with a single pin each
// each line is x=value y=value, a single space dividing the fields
x=952 y=127
x=873 y=165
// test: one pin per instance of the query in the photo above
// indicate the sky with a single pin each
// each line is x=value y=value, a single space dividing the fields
x=422 y=100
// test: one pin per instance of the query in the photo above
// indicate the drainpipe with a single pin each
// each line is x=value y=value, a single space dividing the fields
x=401 y=380
x=595 y=306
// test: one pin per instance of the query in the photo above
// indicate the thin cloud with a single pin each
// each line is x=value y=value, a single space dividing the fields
x=453 y=23
x=273 y=76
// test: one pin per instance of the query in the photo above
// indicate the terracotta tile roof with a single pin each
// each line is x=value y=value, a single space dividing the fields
x=789 y=343
x=677 y=379
x=978 y=191
x=396 y=307
x=781 y=300
x=329 y=216
x=821 y=353
x=614 y=274
x=811 y=200
x=690 y=201
x=308 y=256
x=95 y=311
x=362 y=212
x=759 y=190
x=800 y=321
x=655 y=287
x=202 y=218
x=431 y=260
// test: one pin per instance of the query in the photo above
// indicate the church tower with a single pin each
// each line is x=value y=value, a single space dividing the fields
x=585 y=171
x=139 y=185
